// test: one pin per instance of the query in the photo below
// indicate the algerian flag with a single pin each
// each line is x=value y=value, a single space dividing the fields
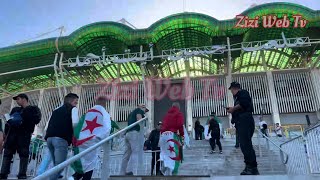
x=171 y=151
x=94 y=126
x=186 y=137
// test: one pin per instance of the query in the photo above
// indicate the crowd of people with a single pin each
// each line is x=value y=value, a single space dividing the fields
x=166 y=141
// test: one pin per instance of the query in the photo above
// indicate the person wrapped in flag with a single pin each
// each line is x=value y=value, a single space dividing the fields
x=171 y=140
x=94 y=126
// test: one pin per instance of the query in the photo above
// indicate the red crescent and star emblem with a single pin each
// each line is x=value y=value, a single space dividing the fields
x=171 y=149
x=91 y=125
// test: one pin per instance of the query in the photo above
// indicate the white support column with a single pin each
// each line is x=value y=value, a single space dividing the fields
x=77 y=90
x=229 y=80
x=114 y=89
x=148 y=101
x=263 y=60
x=62 y=74
x=57 y=76
x=315 y=78
x=150 y=106
x=39 y=129
x=273 y=97
x=112 y=107
x=188 y=97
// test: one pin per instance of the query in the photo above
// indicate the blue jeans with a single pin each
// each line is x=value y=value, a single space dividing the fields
x=47 y=159
x=58 y=148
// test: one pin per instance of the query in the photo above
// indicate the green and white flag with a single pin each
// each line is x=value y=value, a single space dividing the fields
x=94 y=126
x=171 y=151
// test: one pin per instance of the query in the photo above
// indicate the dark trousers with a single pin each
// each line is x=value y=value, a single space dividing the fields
x=246 y=130
x=85 y=176
x=16 y=143
x=215 y=139
x=237 y=138
x=198 y=135
x=155 y=161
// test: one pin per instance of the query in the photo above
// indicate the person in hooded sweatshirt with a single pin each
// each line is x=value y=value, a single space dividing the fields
x=199 y=129
x=173 y=120
x=172 y=124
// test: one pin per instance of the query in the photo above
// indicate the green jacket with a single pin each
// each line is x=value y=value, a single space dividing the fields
x=113 y=126
x=215 y=118
x=36 y=143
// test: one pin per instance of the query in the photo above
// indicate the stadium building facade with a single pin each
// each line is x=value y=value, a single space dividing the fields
x=188 y=57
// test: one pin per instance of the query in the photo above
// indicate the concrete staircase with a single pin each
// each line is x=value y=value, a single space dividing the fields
x=262 y=177
x=197 y=160
x=199 y=164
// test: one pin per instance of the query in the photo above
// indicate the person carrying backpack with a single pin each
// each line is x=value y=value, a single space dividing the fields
x=18 y=131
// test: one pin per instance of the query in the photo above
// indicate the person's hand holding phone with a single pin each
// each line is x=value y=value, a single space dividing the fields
x=229 y=109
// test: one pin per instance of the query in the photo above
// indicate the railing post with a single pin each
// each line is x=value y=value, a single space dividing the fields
x=140 y=140
x=305 y=144
x=268 y=153
x=105 y=168
x=259 y=144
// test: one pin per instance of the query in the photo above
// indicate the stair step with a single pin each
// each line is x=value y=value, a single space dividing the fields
x=262 y=177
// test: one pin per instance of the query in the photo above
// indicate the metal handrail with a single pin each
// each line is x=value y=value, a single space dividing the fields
x=66 y=163
x=314 y=127
x=284 y=161
x=300 y=136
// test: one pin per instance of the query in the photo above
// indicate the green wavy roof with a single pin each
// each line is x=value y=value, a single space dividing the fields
x=176 y=31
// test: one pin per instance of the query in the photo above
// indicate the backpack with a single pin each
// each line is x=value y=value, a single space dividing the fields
x=16 y=119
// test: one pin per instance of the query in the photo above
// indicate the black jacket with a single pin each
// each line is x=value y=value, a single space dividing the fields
x=198 y=127
x=31 y=116
x=154 y=139
x=242 y=98
x=60 y=124
x=214 y=128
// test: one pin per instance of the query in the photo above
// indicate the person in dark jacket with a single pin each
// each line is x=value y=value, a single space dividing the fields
x=153 y=141
x=60 y=130
x=18 y=131
x=214 y=130
x=242 y=114
x=199 y=129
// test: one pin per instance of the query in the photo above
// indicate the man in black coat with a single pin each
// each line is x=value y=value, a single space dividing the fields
x=18 y=132
x=242 y=115
x=153 y=142
x=214 y=130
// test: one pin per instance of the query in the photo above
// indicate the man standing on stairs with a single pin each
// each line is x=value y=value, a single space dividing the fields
x=18 y=131
x=59 y=133
x=132 y=144
x=214 y=130
x=242 y=114
x=171 y=140
x=153 y=141
x=93 y=127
